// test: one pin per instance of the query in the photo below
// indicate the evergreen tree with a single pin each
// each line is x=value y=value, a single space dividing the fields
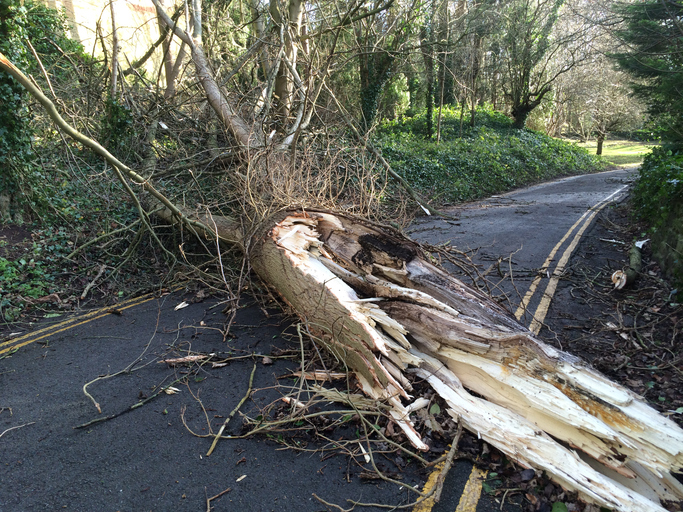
x=653 y=35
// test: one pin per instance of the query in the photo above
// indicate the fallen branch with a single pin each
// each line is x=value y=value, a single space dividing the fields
x=622 y=278
x=232 y=413
x=92 y=283
x=131 y=408
x=209 y=500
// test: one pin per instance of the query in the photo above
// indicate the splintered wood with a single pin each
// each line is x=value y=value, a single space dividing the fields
x=388 y=313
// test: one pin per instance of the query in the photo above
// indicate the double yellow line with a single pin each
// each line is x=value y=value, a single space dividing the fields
x=31 y=337
x=582 y=224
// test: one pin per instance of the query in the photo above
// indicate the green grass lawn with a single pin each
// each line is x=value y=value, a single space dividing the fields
x=621 y=152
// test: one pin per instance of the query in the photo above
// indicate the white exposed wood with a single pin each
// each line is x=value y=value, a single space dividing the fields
x=388 y=313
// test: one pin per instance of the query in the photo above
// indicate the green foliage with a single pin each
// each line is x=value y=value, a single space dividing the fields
x=45 y=29
x=15 y=133
x=22 y=279
x=654 y=35
x=450 y=123
x=660 y=185
x=491 y=158
x=117 y=125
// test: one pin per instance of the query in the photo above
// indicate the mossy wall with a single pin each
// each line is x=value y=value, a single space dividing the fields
x=667 y=246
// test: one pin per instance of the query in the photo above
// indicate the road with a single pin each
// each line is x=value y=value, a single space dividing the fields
x=529 y=235
x=152 y=458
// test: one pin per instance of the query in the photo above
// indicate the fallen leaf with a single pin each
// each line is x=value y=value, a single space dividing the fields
x=365 y=454
x=559 y=507
x=267 y=361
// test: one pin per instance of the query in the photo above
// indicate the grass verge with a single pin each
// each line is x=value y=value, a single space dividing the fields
x=621 y=152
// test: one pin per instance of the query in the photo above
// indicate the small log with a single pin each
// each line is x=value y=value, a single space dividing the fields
x=622 y=278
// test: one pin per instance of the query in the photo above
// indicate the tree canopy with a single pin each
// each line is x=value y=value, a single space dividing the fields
x=653 y=55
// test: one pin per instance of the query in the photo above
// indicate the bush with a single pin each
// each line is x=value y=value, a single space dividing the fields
x=660 y=185
x=492 y=157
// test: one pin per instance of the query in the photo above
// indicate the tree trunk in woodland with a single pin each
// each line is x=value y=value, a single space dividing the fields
x=601 y=140
x=426 y=38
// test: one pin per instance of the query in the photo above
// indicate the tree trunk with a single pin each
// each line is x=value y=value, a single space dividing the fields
x=387 y=313
x=426 y=39
x=601 y=140
x=114 y=54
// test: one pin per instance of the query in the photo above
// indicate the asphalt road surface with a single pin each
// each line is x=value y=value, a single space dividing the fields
x=528 y=235
x=152 y=458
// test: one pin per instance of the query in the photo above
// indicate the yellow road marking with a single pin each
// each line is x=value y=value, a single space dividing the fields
x=31 y=337
x=472 y=492
x=532 y=289
x=542 y=309
x=546 y=264
x=426 y=505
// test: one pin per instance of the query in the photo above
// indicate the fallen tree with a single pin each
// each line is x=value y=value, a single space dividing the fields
x=389 y=315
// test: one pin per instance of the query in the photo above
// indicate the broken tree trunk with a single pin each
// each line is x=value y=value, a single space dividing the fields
x=386 y=313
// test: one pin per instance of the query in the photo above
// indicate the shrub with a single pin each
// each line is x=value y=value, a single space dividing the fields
x=660 y=184
x=492 y=157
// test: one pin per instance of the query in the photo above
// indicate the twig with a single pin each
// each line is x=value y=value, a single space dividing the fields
x=85 y=392
x=448 y=464
x=332 y=505
x=131 y=408
x=209 y=500
x=18 y=426
x=102 y=237
x=125 y=370
x=92 y=283
x=232 y=413
x=40 y=63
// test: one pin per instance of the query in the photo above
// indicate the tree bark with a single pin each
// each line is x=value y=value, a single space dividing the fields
x=601 y=141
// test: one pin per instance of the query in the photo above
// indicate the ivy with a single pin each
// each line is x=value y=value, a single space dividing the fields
x=660 y=185
x=490 y=158
x=15 y=131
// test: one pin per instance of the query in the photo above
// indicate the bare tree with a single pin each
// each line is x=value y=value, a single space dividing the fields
x=534 y=54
